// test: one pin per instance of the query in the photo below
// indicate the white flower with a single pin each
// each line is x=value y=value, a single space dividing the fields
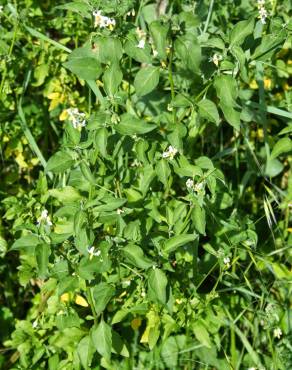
x=216 y=59
x=120 y=211
x=155 y=53
x=35 y=323
x=262 y=11
x=91 y=252
x=1 y=8
x=77 y=118
x=141 y=44
x=102 y=21
x=170 y=152
x=44 y=218
x=199 y=187
x=277 y=333
x=190 y=183
x=226 y=261
x=261 y=2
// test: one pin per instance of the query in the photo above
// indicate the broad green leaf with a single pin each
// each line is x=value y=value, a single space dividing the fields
x=178 y=241
x=109 y=50
x=80 y=220
x=59 y=162
x=146 y=80
x=101 y=336
x=83 y=62
x=112 y=78
x=269 y=45
x=102 y=294
x=227 y=92
x=101 y=137
x=67 y=194
x=79 y=7
x=157 y=282
x=42 y=254
x=85 y=351
x=201 y=333
x=163 y=171
x=188 y=50
x=131 y=125
x=159 y=36
x=118 y=346
x=67 y=284
x=169 y=352
x=135 y=256
x=199 y=219
x=109 y=203
x=273 y=167
x=86 y=172
x=27 y=241
x=208 y=110
x=140 y=55
x=284 y=145
x=240 y=31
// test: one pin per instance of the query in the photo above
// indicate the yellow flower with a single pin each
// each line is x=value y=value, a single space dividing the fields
x=80 y=301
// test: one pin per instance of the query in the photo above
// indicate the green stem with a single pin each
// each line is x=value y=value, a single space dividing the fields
x=209 y=16
x=91 y=303
x=170 y=77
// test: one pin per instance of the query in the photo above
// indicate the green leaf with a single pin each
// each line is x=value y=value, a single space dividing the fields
x=159 y=36
x=188 y=50
x=240 y=31
x=101 y=137
x=67 y=194
x=163 y=171
x=135 y=256
x=202 y=334
x=109 y=50
x=284 y=145
x=169 y=352
x=208 y=110
x=42 y=254
x=59 y=162
x=85 y=351
x=112 y=78
x=101 y=336
x=83 y=62
x=79 y=7
x=27 y=241
x=102 y=294
x=199 y=219
x=227 y=92
x=157 y=282
x=178 y=241
x=146 y=80
x=131 y=125
x=86 y=172
x=118 y=346
x=140 y=55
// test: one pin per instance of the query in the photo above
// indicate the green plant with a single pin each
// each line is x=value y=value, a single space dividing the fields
x=157 y=235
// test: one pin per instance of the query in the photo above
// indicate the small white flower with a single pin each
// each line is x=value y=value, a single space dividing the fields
x=155 y=53
x=35 y=323
x=77 y=118
x=1 y=8
x=91 y=252
x=263 y=15
x=170 y=152
x=102 y=21
x=277 y=333
x=120 y=211
x=44 y=218
x=199 y=187
x=216 y=59
x=261 y=2
x=141 y=44
x=190 y=183
x=226 y=261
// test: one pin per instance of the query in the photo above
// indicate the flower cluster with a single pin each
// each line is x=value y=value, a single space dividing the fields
x=198 y=187
x=102 y=21
x=44 y=219
x=262 y=11
x=77 y=118
x=169 y=153
x=277 y=333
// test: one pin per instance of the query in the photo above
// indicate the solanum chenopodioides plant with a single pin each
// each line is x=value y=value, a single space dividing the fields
x=137 y=214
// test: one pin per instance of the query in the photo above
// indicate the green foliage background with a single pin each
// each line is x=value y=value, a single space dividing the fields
x=168 y=244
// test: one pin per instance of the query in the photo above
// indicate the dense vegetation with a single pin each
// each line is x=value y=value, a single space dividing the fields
x=145 y=184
